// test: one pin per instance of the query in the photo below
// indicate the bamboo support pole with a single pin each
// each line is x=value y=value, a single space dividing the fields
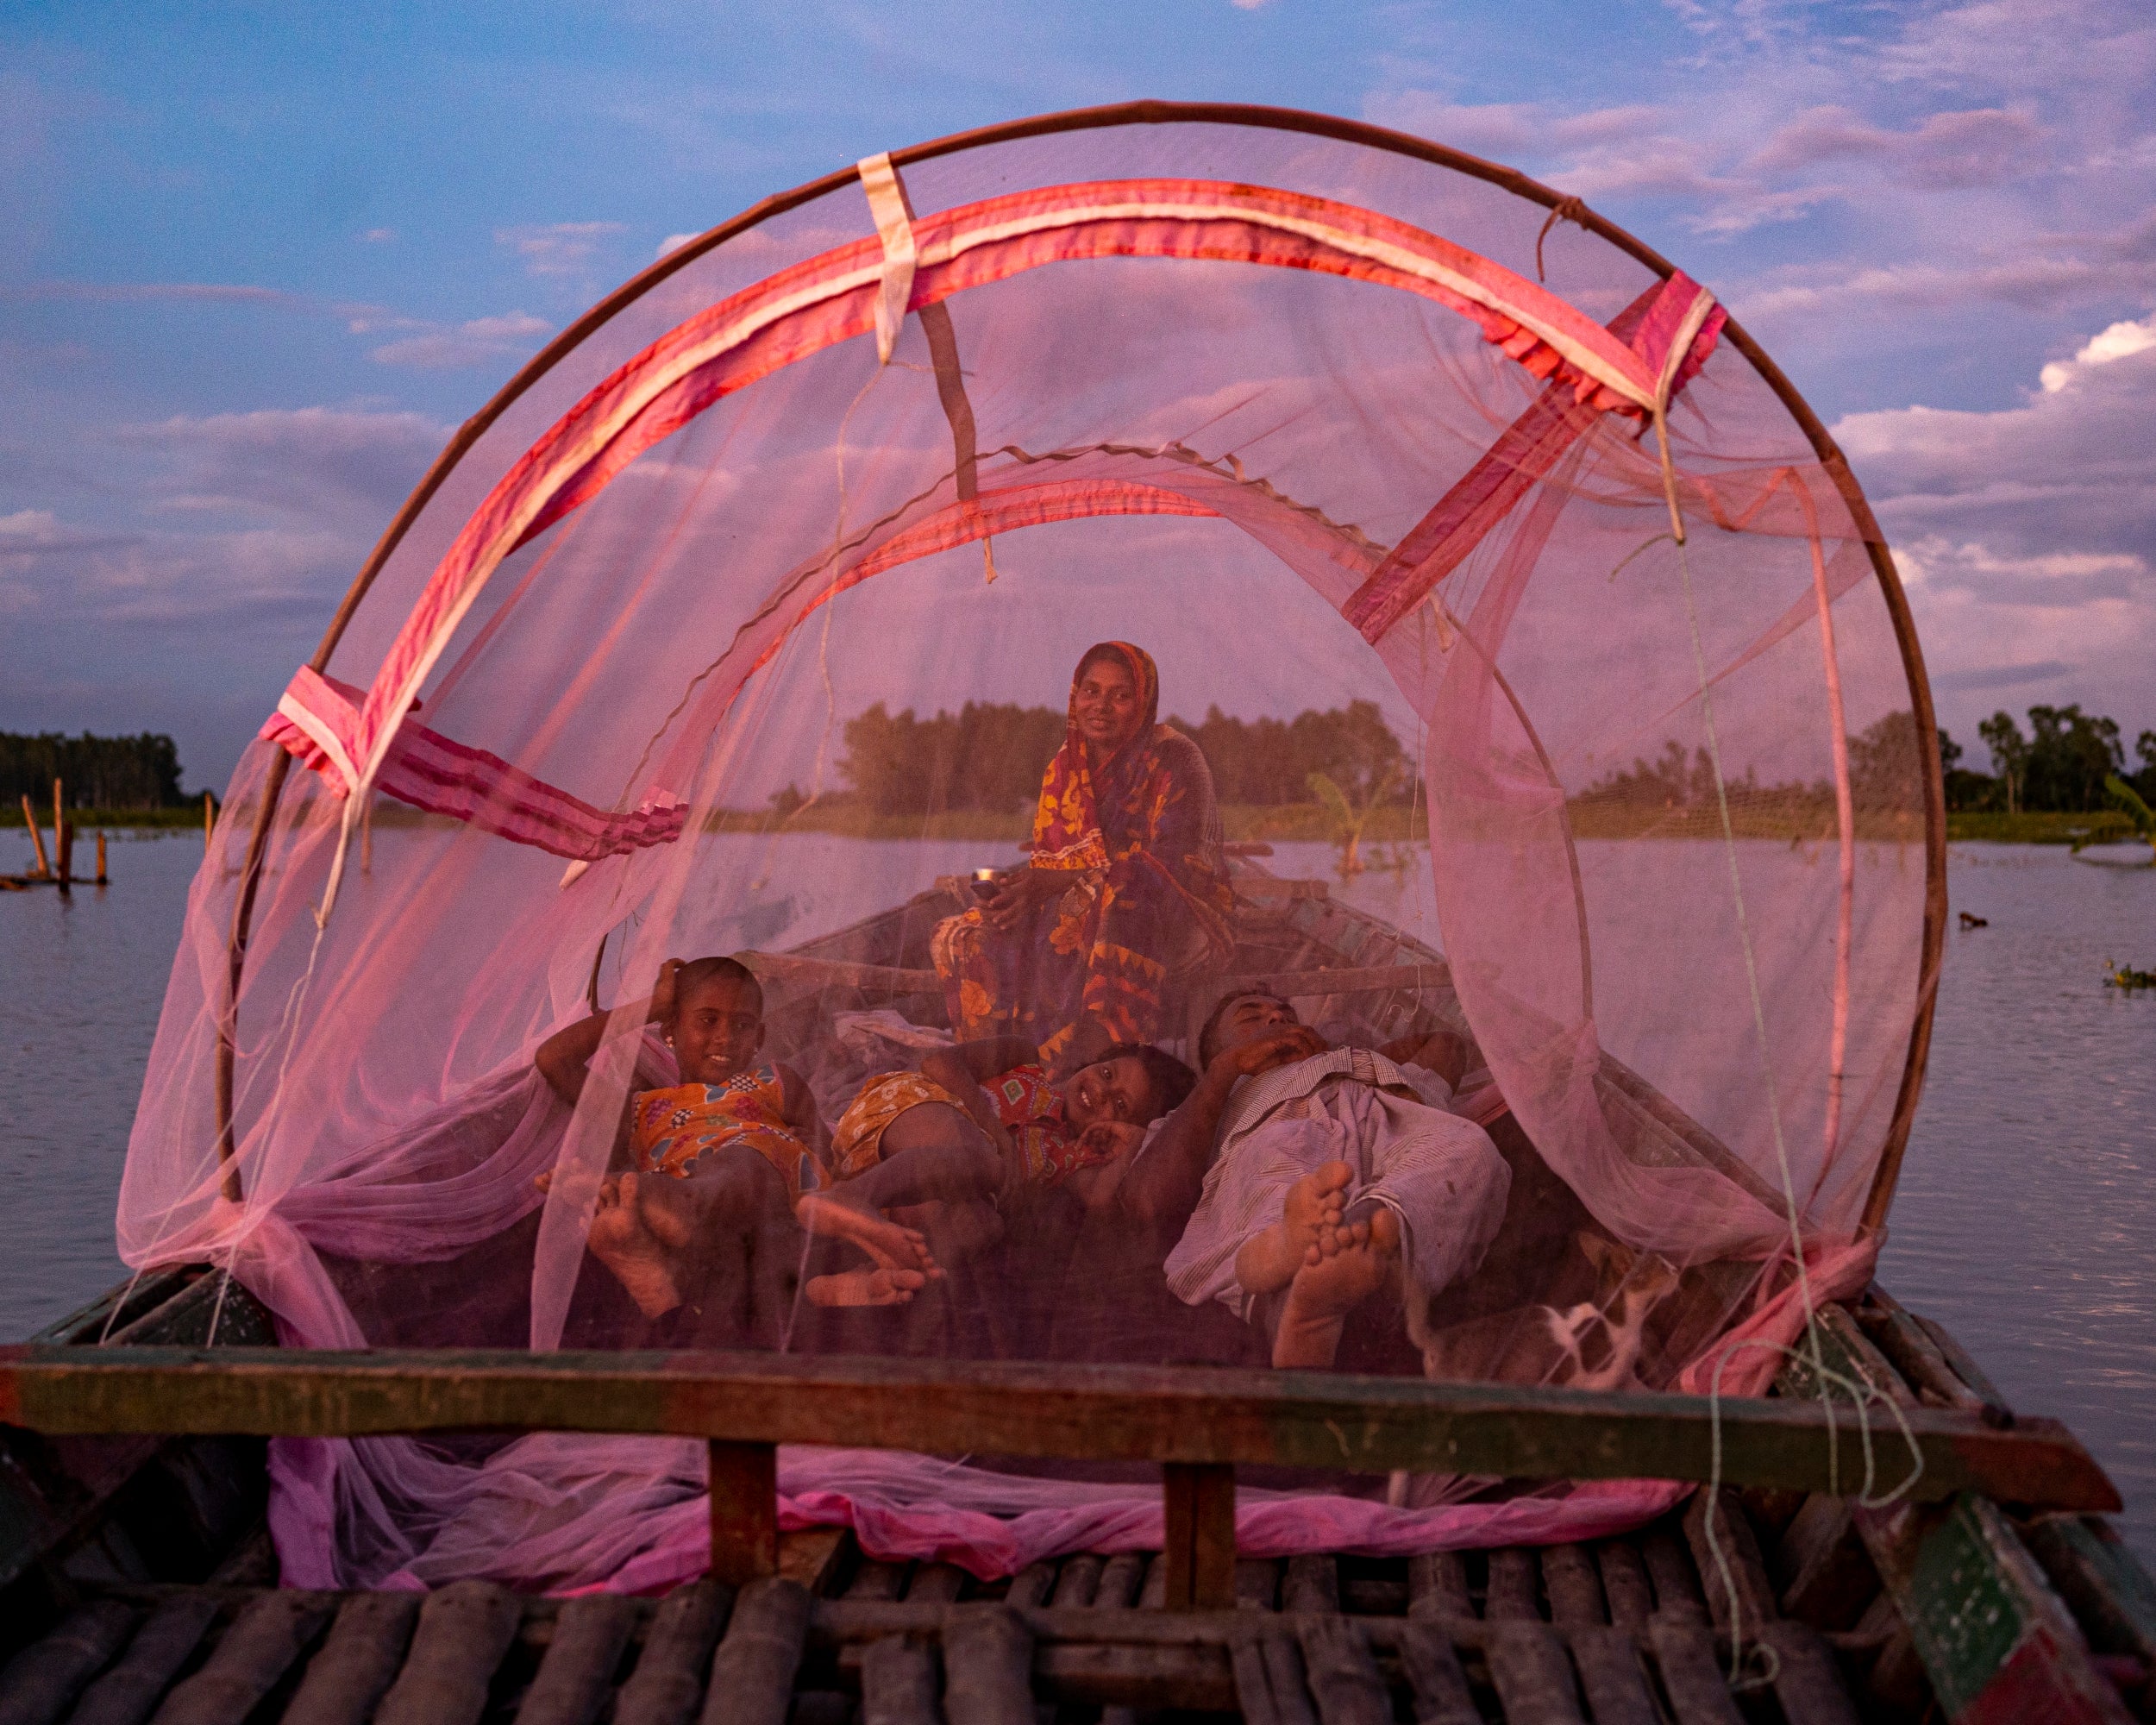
x=270 y=1635
x=64 y=855
x=133 y=1687
x=37 y=838
x=669 y=1680
x=209 y=821
x=358 y=1662
x=101 y=877
x=44 y=1680
x=463 y=1632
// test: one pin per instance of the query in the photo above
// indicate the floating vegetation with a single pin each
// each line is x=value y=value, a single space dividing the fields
x=2125 y=978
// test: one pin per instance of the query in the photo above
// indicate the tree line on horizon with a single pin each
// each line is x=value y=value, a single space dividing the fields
x=989 y=757
x=138 y=772
x=2060 y=764
x=1883 y=762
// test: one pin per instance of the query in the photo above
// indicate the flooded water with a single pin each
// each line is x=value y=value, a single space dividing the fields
x=2025 y=1222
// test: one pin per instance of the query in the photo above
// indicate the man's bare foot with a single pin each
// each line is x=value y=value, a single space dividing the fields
x=1342 y=1269
x=892 y=1246
x=1269 y=1259
x=877 y=1287
x=623 y=1240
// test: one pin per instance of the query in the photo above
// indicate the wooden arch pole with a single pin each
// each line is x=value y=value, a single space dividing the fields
x=1155 y=113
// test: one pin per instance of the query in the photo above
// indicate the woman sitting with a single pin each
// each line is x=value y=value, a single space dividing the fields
x=1124 y=885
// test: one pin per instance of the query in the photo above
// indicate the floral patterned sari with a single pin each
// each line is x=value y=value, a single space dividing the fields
x=1139 y=837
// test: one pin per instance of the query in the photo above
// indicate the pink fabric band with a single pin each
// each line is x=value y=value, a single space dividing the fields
x=316 y=723
x=832 y=298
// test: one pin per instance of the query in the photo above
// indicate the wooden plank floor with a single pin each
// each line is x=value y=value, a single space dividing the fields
x=1623 y=1633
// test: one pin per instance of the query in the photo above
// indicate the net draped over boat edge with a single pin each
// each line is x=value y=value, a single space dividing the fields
x=1014 y=622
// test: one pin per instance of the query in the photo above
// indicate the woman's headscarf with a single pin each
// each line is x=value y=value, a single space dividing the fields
x=1067 y=823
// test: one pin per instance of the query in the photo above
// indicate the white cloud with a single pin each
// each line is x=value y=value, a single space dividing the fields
x=474 y=343
x=248 y=526
x=673 y=242
x=2027 y=534
x=26 y=527
x=559 y=248
x=378 y=236
x=2120 y=341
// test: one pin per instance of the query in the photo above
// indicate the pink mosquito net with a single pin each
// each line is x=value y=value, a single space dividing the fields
x=1273 y=547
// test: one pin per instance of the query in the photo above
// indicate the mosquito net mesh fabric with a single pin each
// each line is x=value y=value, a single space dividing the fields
x=1037 y=611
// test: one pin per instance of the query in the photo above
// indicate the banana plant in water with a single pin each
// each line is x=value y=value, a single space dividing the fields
x=2136 y=811
x=1346 y=818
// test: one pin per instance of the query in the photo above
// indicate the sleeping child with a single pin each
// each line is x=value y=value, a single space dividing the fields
x=696 y=1216
x=1340 y=1176
x=983 y=1118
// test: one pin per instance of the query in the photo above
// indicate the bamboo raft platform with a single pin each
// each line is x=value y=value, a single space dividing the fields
x=138 y=1582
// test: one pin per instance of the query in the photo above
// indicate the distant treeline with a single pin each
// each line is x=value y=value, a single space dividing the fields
x=990 y=758
x=1882 y=775
x=2060 y=764
x=98 y=771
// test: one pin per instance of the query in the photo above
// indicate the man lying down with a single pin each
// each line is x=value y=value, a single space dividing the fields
x=1339 y=1178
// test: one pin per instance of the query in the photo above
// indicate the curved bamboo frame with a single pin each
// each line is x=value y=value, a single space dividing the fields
x=1175 y=113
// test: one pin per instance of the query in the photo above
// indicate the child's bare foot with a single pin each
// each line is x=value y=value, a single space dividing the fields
x=1341 y=1269
x=1269 y=1259
x=877 y=1287
x=892 y=1246
x=623 y=1240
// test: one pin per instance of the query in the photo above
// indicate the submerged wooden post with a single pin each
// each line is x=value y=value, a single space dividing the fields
x=37 y=838
x=744 y=1484
x=63 y=840
x=101 y=857
x=1199 y=1502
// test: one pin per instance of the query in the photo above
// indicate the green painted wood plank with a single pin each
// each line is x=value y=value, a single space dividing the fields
x=1996 y=1641
x=1179 y=1415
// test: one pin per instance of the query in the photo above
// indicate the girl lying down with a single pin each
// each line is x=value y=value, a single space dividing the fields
x=983 y=1119
x=697 y=1221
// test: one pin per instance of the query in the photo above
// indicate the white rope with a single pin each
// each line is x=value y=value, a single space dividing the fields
x=1759 y=1032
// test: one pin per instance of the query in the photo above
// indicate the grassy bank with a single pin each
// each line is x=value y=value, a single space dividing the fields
x=2042 y=827
x=1286 y=823
x=85 y=819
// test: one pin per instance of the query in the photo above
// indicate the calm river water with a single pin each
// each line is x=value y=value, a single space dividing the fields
x=2026 y=1221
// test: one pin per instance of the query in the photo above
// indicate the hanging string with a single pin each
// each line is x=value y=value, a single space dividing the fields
x=1752 y=983
x=1862 y=1393
x=1565 y=209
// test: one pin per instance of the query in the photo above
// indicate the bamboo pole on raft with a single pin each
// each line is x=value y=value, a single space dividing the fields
x=37 y=838
x=63 y=840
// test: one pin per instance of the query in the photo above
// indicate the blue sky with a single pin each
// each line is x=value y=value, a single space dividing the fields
x=260 y=261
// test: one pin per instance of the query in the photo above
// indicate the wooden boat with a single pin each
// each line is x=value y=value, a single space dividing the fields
x=138 y=1581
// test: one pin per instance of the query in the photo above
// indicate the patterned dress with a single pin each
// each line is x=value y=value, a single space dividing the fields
x=1030 y=1107
x=674 y=1129
x=1138 y=838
